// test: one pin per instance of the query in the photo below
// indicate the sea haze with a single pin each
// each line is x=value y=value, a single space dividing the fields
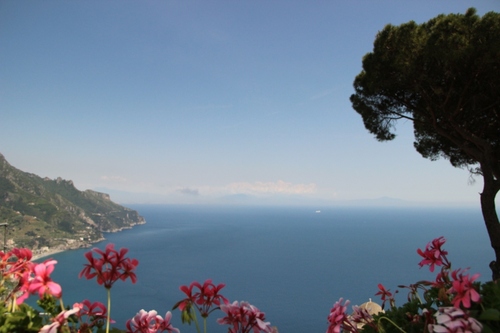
x=292 y=263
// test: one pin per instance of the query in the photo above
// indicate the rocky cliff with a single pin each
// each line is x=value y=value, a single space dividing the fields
x=51 y=214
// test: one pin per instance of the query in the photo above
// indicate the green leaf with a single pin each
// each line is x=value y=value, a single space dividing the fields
x=487 y=329
x=490 y=314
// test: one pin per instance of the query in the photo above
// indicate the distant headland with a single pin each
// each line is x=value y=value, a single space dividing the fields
x=51 y=215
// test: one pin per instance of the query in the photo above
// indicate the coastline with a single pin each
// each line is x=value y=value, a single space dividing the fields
x=47 y=252
x=73 y=244
x=43 y=255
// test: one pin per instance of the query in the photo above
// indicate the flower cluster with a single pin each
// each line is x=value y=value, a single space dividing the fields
x=85 y=315
x=385 y=295
x=20 y=277
x=243 y=318
x=452 y=319
x=60 y=320
x=434 y=255
x=150 y=322
x=462 y=289
x=109 y=266
x=91 y=315
x=451 y=304
x=361 y=317
x=338 y=317
x=454 y=302
x=204 y=299
x=42 y=283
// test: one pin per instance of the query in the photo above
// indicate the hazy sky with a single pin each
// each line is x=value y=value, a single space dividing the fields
x=194 y=101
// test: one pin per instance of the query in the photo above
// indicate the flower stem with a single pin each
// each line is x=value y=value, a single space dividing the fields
x=62 y=304
x=109 y=309
x=393 y=323
x=418 y=297
x=195 y=320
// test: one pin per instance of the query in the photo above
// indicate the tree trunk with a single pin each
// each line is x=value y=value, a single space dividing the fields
x=490 y=190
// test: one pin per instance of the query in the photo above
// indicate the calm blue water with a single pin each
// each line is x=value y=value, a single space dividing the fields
x=292 y=263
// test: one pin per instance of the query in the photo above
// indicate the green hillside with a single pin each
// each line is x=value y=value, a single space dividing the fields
x=49 y=214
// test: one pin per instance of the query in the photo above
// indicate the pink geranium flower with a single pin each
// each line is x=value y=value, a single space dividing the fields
x=16 y=267
x=110 y=266
x=463 y=289
x=42 y=283
x=16 y=262
x=360 y=317
x=22 y=254
x=95 y=309
x=434 y=255
x=385 y=295
x=243 y=318
x=442 y=280
x=22 y=289
x=59 y=320
x=95 y=313
x=204 y=299
x=150 y=322
x=338 y=319
x=453 y=320
x=14 y=258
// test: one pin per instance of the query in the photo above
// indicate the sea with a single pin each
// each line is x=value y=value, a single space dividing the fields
x=293 y=263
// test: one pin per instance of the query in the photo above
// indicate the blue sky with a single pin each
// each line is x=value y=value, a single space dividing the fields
x=209 y=101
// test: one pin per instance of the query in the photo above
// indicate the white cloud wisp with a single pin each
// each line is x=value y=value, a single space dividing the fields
x=279 y=187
